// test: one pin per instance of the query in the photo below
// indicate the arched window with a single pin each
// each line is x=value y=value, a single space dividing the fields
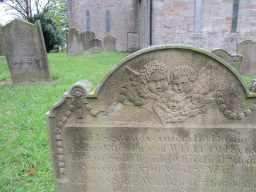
x=88 y=21
x=198 y=19
x=108 y=21
x=235 y=15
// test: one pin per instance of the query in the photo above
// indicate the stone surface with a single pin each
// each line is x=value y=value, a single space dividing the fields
x=133 y=42
x=1 y=41
x=166 y=119
x=109 y=43
x=200 y=23
x=25 y=52
x=248 y=50
x=82 y=42
x=234 y=60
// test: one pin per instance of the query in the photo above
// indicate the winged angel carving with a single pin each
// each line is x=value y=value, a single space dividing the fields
x=174 y=96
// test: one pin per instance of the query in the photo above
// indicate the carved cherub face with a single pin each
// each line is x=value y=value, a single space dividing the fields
x=184 y=77
x=158 y=82
x=156 y=76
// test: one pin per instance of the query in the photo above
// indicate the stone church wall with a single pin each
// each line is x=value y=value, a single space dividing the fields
x=200 y=23
x=208 y=26
x=112 y=17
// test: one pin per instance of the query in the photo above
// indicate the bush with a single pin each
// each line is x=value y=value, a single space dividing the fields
x=52 y=36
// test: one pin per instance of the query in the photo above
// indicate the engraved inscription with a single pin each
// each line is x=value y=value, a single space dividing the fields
x=159 y=160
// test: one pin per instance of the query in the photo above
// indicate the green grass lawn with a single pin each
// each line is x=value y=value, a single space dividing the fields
x=25 y=159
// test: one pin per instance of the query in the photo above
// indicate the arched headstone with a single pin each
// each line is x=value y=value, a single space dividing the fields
x=167 y=118
x=234 y=60
x=248 y=50
x=24 y=48
x=109 y=43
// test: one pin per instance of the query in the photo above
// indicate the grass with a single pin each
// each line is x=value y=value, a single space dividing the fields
x=25 y=159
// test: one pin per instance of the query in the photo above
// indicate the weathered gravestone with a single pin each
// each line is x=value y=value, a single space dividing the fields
x=25 y=51
x=75 y=43
x=234 y=60
x=248 y=50
x=109 y=43
x=166 y=119
x=133 y=42
x=1 y=41
x=82 y=42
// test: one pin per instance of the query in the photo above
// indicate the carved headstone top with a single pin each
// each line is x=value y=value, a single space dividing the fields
x=25 y=51
x=168 y=118
x=248 y=49
x=233 y=60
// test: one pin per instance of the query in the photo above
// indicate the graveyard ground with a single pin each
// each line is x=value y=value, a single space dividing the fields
x=25 y=161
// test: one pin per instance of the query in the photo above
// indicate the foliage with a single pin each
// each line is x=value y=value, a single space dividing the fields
x=52 y=37
x=25 y=163
x=52 y=15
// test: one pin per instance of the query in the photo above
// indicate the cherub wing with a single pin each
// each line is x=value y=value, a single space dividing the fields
x=134 y=87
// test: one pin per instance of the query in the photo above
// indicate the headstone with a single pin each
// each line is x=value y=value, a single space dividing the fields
x=248 y=50
x=234 y=60
x=87 y=39
x=166 y=119
x=83 y=42
x=133 y=42
x=75 y=43
x=1 y=41
x=109 y=43
x=25 y=51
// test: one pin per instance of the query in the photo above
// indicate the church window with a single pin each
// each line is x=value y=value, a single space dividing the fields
x=235 y=15
x=88 y=21
x=198 y=19
x=108 y=21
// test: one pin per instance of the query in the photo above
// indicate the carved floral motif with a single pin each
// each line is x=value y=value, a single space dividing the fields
x=76 y=105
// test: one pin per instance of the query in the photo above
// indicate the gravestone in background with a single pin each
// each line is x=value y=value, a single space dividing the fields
x=75 y=42
x=1 y=41
x=248 y=50
x=234 y=60
x=109 y=43
x=132 y=42
x=87 y=40
x=83 y=42
x=25 y=51
x=167 y=119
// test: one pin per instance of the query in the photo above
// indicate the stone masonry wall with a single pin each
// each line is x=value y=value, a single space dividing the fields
x=200 y=23
x=122 y=18
x=174 y=22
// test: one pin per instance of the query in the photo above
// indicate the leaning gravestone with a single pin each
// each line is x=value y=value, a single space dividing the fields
x=166 y=119
x=1 y=41
x=248 y=50
x=25 y=51
x=109 y=43
x=234 y=60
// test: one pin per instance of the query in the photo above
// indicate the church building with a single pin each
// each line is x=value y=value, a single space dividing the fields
x=135 y=24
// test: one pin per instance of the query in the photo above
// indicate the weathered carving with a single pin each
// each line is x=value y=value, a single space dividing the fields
x=163 y=115
x=234 y=60
x=74 y=104
x=231 y=104
x=173 y=95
